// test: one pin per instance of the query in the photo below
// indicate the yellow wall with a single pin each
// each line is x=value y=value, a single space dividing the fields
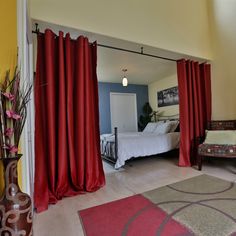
x=223 y=18
x=175 y=25
x=8 y=44
x=159 y=85
x=201 y=28
x=8 y=39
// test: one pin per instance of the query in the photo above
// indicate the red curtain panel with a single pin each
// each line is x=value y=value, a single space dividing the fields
x=67 y=150
x=194 y=83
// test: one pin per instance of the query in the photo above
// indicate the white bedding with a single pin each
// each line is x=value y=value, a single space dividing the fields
x=137 y=144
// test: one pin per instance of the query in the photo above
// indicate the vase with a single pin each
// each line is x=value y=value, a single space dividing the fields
x=15 y=206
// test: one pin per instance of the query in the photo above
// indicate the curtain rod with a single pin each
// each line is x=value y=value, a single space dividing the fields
x=136 y=52
x=36 y=31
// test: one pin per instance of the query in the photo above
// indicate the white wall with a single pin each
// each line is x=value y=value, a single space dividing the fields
x=159 y=85
x=223 y=19
x=175 y=25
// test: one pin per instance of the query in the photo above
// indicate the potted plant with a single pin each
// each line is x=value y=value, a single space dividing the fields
x=147 y=116
x=15 y=206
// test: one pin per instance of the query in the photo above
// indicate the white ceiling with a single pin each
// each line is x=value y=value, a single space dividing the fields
x=141 y=69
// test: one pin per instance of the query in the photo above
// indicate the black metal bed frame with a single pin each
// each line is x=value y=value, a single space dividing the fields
x=106 y=155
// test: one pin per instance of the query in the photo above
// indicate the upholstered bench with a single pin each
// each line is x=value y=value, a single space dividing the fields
x=220 y=141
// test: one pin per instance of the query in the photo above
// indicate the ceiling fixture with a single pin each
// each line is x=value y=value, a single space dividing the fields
x=124 y=80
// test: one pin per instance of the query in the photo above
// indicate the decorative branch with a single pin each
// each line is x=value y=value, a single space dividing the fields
x=13 y=111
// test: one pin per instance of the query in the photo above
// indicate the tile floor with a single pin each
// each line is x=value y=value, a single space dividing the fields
x=136 y=177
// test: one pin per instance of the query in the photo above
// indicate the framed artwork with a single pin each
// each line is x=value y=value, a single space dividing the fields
x=168 y=97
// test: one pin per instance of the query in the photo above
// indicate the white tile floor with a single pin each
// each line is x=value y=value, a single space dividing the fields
x=136 y=177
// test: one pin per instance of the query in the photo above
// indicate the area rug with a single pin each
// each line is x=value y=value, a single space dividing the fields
x=202 y=205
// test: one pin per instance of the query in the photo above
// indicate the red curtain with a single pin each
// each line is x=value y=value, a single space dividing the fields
x=67 y=152
x=194 y=82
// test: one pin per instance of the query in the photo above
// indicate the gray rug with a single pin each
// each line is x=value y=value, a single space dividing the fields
x=204 y=204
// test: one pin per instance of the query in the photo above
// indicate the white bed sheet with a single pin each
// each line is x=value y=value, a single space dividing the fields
x=137 y=144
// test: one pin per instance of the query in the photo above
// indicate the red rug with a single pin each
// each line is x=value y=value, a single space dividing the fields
x=132 y=216
x=202 y=205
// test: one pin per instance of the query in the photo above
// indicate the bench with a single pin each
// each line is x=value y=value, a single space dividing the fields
x=217 y=150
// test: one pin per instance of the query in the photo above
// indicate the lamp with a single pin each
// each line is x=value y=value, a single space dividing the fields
x=124 y=80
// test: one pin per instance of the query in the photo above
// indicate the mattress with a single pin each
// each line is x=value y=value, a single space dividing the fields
x=137 y=144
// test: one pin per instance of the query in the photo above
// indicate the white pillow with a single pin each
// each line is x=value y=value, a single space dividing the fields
x=163 y=128
x=174 y=125
x=160 y=122
x=222 y=137
x=150 y=127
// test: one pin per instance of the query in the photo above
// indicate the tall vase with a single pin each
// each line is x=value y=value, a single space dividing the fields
x=15 y=206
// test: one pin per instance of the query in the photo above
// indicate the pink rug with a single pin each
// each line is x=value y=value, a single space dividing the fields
x=130 y=216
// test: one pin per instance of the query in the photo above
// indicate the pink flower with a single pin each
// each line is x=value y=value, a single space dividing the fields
x=9 y=132
x=12 y=148
x=13 y=115
x=10 y=96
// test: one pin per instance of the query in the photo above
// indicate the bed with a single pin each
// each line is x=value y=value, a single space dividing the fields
x=158 y=137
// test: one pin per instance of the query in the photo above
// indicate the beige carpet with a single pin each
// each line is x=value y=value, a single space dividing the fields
x=204 y=204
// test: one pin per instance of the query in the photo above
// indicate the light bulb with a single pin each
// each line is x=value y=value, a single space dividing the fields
x=125 y=81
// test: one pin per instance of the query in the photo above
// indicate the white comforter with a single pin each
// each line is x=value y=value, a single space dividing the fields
x=138 y=144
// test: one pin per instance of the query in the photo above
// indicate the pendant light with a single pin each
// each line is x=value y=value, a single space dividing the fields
x=124 y=80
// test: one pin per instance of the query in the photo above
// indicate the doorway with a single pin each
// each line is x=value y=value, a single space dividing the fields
x=123 y=108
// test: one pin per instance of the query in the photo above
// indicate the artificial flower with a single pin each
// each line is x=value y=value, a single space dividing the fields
x=11 y=148
x=13 y=104
x=9 y=132
x=13 y=115
x=10 y=96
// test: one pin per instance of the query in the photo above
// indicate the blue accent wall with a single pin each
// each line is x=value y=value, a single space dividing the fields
x=104 y=90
